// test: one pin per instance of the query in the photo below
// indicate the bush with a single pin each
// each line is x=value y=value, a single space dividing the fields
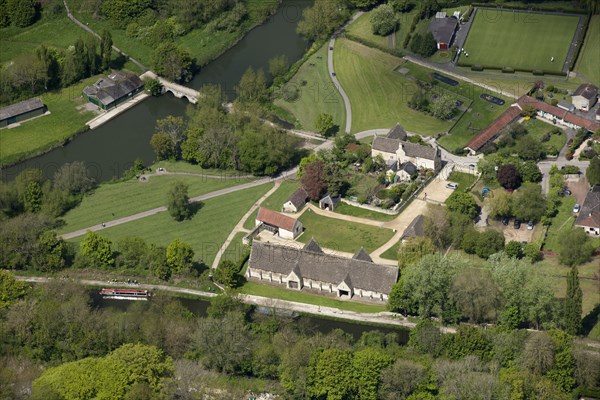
x=476 y=67
x=554 y=102
x=508 y=70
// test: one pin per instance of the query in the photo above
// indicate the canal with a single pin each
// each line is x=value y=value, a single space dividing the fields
x=306 y=322
x=111 y=149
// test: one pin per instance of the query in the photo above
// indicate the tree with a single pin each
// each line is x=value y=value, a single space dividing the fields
x=437 y=226
x=413 y=250
x=10 y=289
x=322 y=19
x=538 y=354
x=330 y=374
x=73 y=178
x=489 y=242
x=384 y=20
x=133 y=252
x=173 y=62
x=514 y=249
x=252 y=86
x=463 y=203
x=180 y=256
x=593 y=171
x=402 y=6
x=476 y=294
x=367 y=366
x=424 y=45
x=153 y=86
x=265 y=152
x=163 y=146
x=50 y=252
x=528 y=111
x=226 y=273
x=96 y=251
x=156 y=262
x=22 y=12
x=105 y=49
x=529 y=148
x=530 y=172
x=572 y=305
x=178 y=202
x=500 y=204
x=575 y=247
x=426 y=338
x=529 y=203
x=401 y=379
x=444 y=107
x=324 y=124
x=363 y=3
x=508 y=176
x=313 y=178
x=278 y=66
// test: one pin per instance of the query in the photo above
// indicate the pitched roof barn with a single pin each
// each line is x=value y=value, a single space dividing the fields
x=505 y=119
x=298 y=198
x=276 y=219
x=20 y=108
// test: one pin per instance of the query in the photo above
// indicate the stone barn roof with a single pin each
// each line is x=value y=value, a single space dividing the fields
x=276 y=219
x=298 y=198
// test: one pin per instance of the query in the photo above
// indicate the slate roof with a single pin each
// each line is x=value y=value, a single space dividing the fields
x=565 y=105
x=113 y=87
x=385 y=144
x=589 y=215
x=362 y=255
x=298 y=198
x=20 y=108
x=418 y=150
x=313 y=246
x=329 y=268
x=494 y=128
x=443 y=29
x=586 y=90
x=397 y=132
x=327 y=199
x=416 y=227
x=276 y=219
x=409 y=168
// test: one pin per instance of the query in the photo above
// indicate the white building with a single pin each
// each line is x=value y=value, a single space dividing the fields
x=585 y=96
x=281 y=225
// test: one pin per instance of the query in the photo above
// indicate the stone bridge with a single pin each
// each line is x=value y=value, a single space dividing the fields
x=178 y=90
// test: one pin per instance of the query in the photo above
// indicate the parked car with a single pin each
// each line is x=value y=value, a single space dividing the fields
x=564 y=192
x=530 y=225
x=576 y=208
x=517 y=224
x=505 y=221
x=570 y=143
x=452 y=185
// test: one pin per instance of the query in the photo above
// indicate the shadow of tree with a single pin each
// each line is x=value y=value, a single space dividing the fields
x=589 y=321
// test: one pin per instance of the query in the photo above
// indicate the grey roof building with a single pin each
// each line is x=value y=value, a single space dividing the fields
x=296 y=201
x=112 y=90
x=443 y=30
x=394 y=148
x=329 y=202
x=21 y=111
x=397 y=132
x=415 y=229
x=589 y=215
x=303 y=268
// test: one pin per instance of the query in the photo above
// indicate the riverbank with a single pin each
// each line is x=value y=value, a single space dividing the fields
x=113 y=112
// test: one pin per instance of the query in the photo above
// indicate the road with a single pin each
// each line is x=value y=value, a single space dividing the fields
x=332 y=72
x=545 y=166
x=383 y=317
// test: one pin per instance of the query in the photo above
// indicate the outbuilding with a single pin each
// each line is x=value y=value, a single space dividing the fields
x=22 y=111
x=296 y=201
x=280 y=224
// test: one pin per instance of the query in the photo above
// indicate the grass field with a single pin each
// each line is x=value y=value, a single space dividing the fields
x=348 y=209
x=205 y=232
x=496 y=39
x=362 y=28
x=236 y=248
x=130 y=197
x=392 y=252
x=317 y=96
x=341 y=235
x=463 y=179
x=589 y=56
x=537 y=129
x=275 y=201
x=37 y=135
x=378 y=94
x=563 y=221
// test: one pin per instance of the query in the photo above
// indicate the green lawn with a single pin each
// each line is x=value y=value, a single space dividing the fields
x=463 y=179
x=183 y=166
x=316 y=94
x=589 y=56
x=519 y=40
x=57 y=32
x=236 y=248
x=38 y=135
x=362 y=29
x=562 y=222
x=205 y=232
x=348 y=209
x=392 y=252
x=537 y=128
x=130 y=197
x=341 y=235
x=265 y=290
x=275 y=201
x=378 y=94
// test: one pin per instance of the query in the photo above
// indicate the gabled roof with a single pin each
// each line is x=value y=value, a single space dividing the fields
x=328 y=199
x=409 y=168
x=113 y=87
x=586 y=90
x=416 y=227
x=508 y=116
x=362 y=255
x=589 y=215
x=276 y=219
x=418 y=150
x=313 y=246
x=397 y=132
x=559 y=113
x=385 y=144
x=325 y=268
x=20 y=108
x=443 y=29
x=298 y=198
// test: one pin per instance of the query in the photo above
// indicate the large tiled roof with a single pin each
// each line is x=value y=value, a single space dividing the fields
x=113 y=87
x=21 y=107
x=418 y=150
x=276 y=219
x=443 y=29
x=362 y=255
x=494 y=128
x=586 y=90
x=416 y=227
x=568 y=116
x=589 y=215
x=397 y=132
x=313 y=246
x=298 y=198
x=385 y=144
x=323 y=267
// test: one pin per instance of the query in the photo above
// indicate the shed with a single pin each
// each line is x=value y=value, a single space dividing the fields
x=280 y=224
x=21 y=111
x=296 y=201
x=565 y=105
x=329 y=202
x=443 y=30
x=114 y=89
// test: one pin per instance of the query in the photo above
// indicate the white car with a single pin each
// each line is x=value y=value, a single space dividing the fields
x=576 y=208
x=452 y=185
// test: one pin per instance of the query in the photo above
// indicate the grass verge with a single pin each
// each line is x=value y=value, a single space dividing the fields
x=348 y=209
x=589 y=57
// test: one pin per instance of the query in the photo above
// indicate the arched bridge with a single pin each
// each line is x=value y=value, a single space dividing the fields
x=178 y=90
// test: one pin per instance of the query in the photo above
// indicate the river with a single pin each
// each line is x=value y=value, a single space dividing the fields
x=111 y=149
x=308 y=323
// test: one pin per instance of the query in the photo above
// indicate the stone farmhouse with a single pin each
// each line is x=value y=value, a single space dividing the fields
x=277 y=223
x=311 y=268
x=395 y=149
x=589 y=215
x=296 y=201
x=585 y=97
